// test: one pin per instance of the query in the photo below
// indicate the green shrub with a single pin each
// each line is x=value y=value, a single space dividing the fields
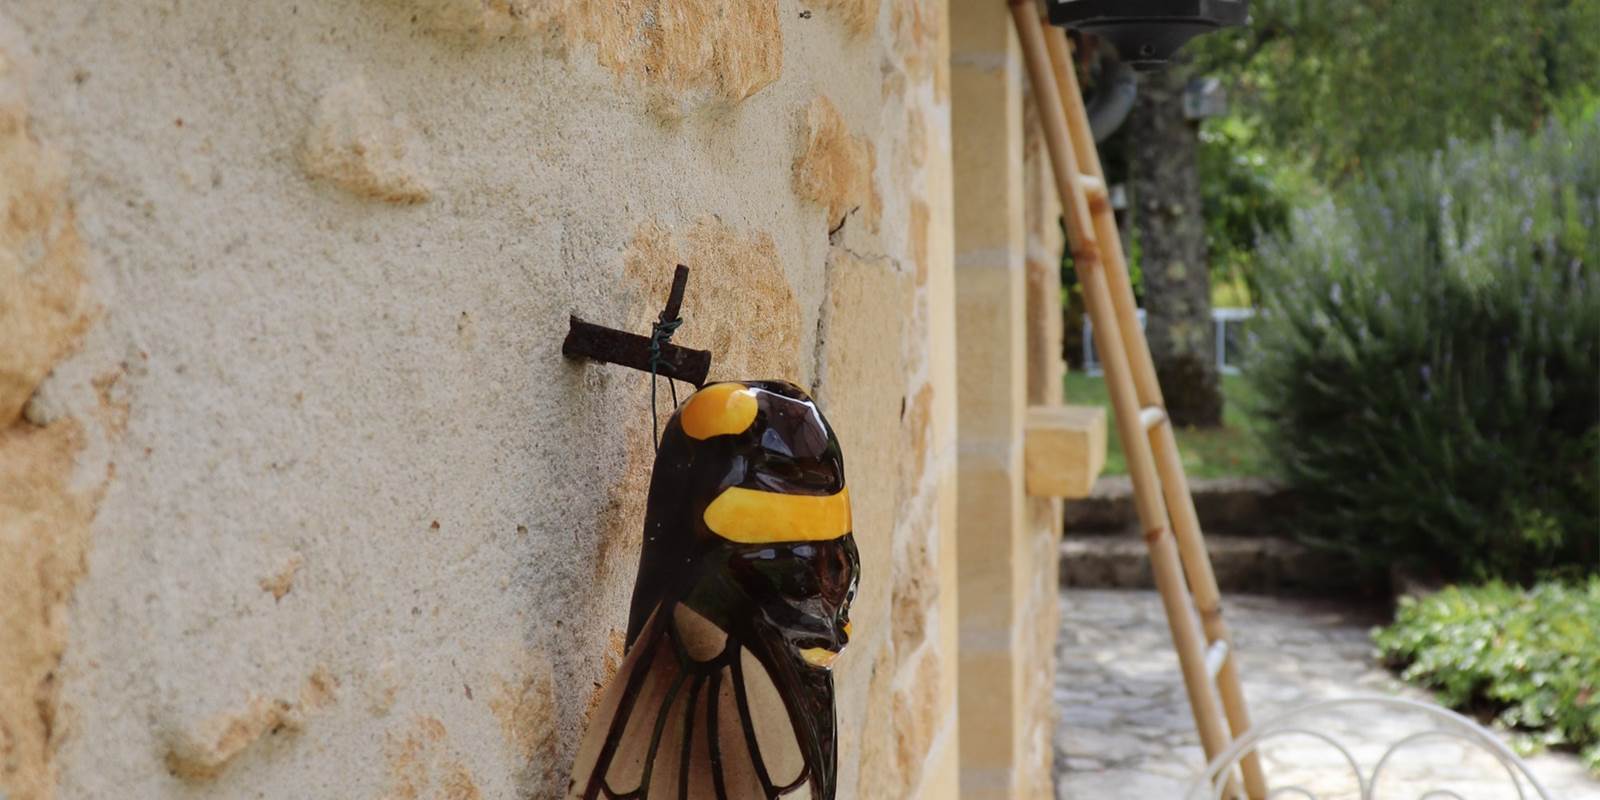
x=1531 y=655
x=1428 y=360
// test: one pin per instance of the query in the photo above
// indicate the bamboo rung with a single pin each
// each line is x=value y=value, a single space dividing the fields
x=1151 y=416
x=1216 y=656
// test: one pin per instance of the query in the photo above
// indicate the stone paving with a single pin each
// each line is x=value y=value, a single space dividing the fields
x=1125 y=729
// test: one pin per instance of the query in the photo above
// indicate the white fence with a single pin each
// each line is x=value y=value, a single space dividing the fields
x=1232 y=340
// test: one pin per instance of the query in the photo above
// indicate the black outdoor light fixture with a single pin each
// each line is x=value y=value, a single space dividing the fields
x=1147 y=33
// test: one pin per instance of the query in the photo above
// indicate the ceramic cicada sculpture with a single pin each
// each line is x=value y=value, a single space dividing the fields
x=741 y=604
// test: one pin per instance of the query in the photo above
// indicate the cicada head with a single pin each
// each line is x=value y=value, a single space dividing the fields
x=743 y=594
x=749 y=511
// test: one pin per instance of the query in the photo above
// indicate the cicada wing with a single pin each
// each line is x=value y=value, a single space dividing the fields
x=751 y=745
x=619 y=744
x=672 y=726
x=768 y=727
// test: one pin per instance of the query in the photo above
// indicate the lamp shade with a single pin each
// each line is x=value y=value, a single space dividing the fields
x=1147 y=33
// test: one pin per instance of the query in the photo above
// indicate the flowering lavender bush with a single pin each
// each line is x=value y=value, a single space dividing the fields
x=1429 y=359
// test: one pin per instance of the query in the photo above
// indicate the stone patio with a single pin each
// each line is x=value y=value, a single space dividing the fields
x=1125 y=729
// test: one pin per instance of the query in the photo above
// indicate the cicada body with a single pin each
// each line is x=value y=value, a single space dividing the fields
x=741 y=604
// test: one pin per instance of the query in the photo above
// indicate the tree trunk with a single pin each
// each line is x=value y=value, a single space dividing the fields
x=1171 y=232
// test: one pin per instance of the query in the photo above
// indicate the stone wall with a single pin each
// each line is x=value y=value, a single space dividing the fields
x=1008 y=246
x=298 y=497
x=1043 y=245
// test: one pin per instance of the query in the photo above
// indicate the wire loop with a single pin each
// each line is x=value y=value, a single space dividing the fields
x=660 y=334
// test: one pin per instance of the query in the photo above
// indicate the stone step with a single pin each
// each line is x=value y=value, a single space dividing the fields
x=1240 y=506
x=1248 y=564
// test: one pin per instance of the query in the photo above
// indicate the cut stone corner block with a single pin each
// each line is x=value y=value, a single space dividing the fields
x=1064 y=450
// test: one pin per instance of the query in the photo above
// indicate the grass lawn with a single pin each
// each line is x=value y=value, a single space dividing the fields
x=1234 y=450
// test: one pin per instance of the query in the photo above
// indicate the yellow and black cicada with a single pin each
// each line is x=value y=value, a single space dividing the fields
x=741 y=604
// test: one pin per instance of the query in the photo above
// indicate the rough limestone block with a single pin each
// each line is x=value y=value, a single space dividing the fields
x=859 y=16
x=358 y=144
x=42 y=315
x=834 y=169
x=917 y=714
x=989 y=513
x=990 y=709
x=44 y=510
x=991 y=351
x=335 y=407
x=687 y=54
x=488 y=19
x=1064 y=449
x=915 y=25
x=696 y=52
x=203 y=751
x=754 y=331
x=201 y=754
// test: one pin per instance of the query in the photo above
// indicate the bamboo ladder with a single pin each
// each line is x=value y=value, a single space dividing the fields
x=1177 y=550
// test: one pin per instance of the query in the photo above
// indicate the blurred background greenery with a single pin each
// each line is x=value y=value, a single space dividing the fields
x=1407 y=195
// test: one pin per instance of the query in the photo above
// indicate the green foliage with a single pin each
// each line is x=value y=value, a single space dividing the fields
x=1230 y=451
x=1533 y=656
x=1428 y=359
x=1346 y=83
x=1245 y=194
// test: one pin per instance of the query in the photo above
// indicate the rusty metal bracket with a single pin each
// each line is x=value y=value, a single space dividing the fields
x=653 y=353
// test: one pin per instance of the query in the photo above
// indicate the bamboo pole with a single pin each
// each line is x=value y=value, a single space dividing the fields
x=1174 y=481
x=1164 y=559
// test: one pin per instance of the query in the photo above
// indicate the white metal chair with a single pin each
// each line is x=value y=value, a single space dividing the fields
x=1376 y=768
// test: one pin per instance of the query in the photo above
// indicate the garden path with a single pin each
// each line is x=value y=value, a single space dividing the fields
x=1125 y=729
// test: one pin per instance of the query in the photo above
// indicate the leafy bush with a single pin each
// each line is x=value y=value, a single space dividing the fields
x=1246 y=194
x=1532 y=655
x=1342 y=84
x=1428 y=359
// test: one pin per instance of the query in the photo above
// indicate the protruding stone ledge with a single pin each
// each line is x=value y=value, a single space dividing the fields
x=1064 y=450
